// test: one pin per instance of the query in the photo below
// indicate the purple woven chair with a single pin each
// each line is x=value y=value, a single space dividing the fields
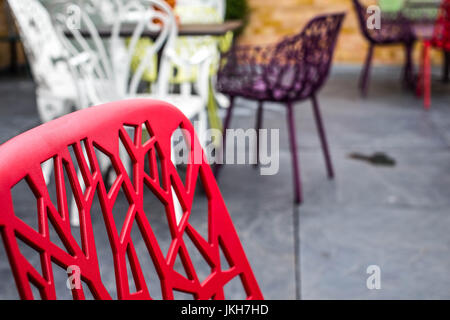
x=290 y=71
x=394 y=30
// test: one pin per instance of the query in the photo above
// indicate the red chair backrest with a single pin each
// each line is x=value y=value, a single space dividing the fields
x=441 y=36
x=99 y=129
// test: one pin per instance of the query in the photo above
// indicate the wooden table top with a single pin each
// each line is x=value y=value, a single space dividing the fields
x=204 y=29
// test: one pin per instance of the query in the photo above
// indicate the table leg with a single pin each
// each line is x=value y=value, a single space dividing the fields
x=446 y=75
x=408 y=72
x=419 y=85
x=13 y=66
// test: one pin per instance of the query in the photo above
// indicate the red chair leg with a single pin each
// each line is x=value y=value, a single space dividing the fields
x=323 y=137
x=226 y=125
x=294 y=152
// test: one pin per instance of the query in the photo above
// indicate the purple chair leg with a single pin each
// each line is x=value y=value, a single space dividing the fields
x=226 y=125
x=294 y=152
x=259 y=119
x=323 y=137
x=364 y=81
x=408 y=73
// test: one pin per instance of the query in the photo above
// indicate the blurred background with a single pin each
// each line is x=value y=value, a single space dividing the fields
x=388 y=130
x=267 y=22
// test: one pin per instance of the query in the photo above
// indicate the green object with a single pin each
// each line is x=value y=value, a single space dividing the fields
x=237 y=10
x=225 y=42
x=187 y=47
x=214 y=119
x=429 y=13
x=390 y=6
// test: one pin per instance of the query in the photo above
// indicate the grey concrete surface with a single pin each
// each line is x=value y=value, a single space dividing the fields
x=395 y=217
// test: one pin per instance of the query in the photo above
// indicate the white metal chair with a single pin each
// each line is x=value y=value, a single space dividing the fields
x=95 y=65
x=187 y=10
x=199 y=11
x=55 y=89
x=185 y=76
x=103 y=73
x=56 y=93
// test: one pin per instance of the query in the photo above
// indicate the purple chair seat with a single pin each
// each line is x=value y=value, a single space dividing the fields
x=290 y=71
x=255 y=87
x=393 y=30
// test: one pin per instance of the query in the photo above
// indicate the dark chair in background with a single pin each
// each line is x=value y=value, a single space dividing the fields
x=394 y=31
x=291 y=71
x=440 y=40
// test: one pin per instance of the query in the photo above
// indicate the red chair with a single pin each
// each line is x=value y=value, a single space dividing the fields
x=99 y=130
x=441 y=40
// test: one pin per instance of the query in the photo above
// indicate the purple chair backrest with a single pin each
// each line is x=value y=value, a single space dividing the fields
x=300 y=64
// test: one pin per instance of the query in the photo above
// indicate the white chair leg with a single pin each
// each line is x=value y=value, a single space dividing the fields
x=74 y=212
x=49 y=107
x=222 y=100
x=125 y=158
x=202 y=127
x=185 y=89
x=47 y=168
x=103 y=162
x=73 y=209
x=177 y=207
x=176 y=203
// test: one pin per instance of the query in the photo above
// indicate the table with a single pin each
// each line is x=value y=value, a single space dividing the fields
x=204 y=29
x=421 y=27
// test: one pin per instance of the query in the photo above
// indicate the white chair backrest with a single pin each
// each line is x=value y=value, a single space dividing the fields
x=103 y=67
x=44 y=51
x=103 y=8
x=218 y=6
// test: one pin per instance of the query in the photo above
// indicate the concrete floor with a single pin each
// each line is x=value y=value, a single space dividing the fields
x=395 y=217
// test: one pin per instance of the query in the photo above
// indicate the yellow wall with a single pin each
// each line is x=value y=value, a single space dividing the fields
x=271 y=19
x=4 y=46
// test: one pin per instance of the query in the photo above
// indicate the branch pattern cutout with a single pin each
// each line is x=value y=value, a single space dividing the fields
x=135 y=203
